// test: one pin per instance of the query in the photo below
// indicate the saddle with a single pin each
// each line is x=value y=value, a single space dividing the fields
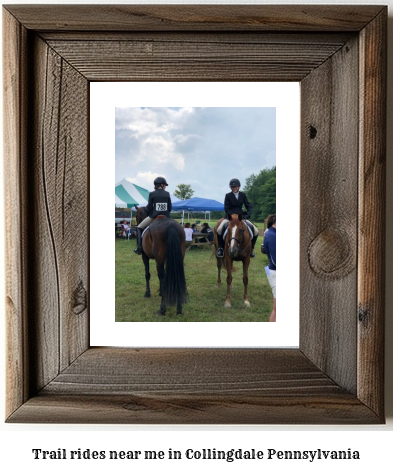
x=160 y=216
x=225 y=230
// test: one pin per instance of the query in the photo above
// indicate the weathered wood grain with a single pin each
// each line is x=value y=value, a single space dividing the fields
x=60 y=221
x=207 y=371
x=336 y=375
x=181 y=60
x=238 y=409
x=329 y=193
x=372 y=197
x=195 y=17
x=202 y=37
x=193 y=386
x=14 y=71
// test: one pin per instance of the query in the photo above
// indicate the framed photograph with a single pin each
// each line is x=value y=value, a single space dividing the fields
x=213 y=131
x=337 y=54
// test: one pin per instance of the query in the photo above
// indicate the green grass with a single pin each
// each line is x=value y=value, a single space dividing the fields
x=206 y=298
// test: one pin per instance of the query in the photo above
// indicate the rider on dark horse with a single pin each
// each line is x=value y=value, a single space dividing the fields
x=159 y=204
x=233 y=204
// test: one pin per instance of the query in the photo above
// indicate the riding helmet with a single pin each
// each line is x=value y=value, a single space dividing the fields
x=234 y=182
x=160 y=180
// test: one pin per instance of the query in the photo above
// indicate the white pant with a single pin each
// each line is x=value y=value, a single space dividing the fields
x=225 y=221
x=147 y=221
x=272 y=281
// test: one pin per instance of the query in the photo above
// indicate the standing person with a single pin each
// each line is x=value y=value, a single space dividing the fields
x=188 y=231
x=233 y=204
x=159 y=204
x=269 y=243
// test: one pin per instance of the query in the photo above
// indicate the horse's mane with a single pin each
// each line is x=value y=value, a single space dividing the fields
x=142 y=211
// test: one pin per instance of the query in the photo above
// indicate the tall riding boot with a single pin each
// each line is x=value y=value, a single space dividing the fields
x=254 y=239
x=220 y=241
x=138 y=249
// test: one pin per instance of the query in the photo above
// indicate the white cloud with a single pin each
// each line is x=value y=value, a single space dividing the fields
x=203 y=147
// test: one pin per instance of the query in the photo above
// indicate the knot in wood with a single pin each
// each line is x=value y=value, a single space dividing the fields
x=313 y=132
x=363 y=315
x=80 y=299
x=330 y=254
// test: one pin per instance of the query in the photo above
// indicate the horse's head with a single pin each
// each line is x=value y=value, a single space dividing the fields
x=141 y=214
x=235 y=236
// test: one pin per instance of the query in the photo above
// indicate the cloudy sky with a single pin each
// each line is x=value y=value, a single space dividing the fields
x=204 y=147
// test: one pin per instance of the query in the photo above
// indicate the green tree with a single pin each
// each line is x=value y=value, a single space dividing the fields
x=261 y=192
x=183 y=191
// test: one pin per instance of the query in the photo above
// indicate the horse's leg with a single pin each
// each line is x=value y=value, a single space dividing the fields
x=179 y=308
x=160 y=272
x=246 y=263
x=227 y=303
x=147 y=274
x=219 y=264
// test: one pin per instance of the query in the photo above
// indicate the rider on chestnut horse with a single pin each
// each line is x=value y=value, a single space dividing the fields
x=159 y=204
x=233 y=204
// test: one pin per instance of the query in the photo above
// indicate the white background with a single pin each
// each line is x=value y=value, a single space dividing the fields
x=104 y=97
x=374 y=442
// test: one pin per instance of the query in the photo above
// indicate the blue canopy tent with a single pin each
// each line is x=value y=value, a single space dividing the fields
x=197 y=204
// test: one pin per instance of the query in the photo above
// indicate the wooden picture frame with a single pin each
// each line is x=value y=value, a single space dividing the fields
x=338 y=54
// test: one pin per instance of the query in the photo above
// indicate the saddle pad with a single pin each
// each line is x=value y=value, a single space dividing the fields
x=144 y=230
x=250 y=230
x=248 y=227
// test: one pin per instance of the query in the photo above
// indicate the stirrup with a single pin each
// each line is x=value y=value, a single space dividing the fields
x=220 y=252
x=138 y=250
x=252 y=253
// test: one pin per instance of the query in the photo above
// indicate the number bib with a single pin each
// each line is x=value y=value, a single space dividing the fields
x=161 y=206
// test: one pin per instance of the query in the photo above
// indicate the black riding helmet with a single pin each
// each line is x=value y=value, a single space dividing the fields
x=160 y=180
x=234 y=182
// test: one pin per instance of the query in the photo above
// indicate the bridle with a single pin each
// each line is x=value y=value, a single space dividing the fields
x=239 y=241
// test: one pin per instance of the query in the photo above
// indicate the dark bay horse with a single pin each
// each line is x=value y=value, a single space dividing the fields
x=237 y=248
x=164 y=242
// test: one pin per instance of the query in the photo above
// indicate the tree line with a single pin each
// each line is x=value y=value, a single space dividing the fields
x=261 y=192
x=260 y=189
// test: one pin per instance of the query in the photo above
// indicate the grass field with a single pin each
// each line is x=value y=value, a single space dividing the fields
x=206 y=299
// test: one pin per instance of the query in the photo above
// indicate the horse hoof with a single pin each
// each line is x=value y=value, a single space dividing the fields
x=160 y=314
x=147 y=295
x=227 y=305
x=247 y=303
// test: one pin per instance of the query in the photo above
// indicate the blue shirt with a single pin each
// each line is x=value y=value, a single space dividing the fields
x=269 y=242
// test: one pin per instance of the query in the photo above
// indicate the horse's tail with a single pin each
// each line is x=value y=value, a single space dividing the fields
x=174 y=284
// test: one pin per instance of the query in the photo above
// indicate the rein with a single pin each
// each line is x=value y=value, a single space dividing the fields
x=239 y=241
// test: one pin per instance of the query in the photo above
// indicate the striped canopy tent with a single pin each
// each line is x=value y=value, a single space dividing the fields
x=127 y=194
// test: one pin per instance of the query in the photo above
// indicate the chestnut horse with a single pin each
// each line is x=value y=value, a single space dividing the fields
x=164 y=242
x=237 y=248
